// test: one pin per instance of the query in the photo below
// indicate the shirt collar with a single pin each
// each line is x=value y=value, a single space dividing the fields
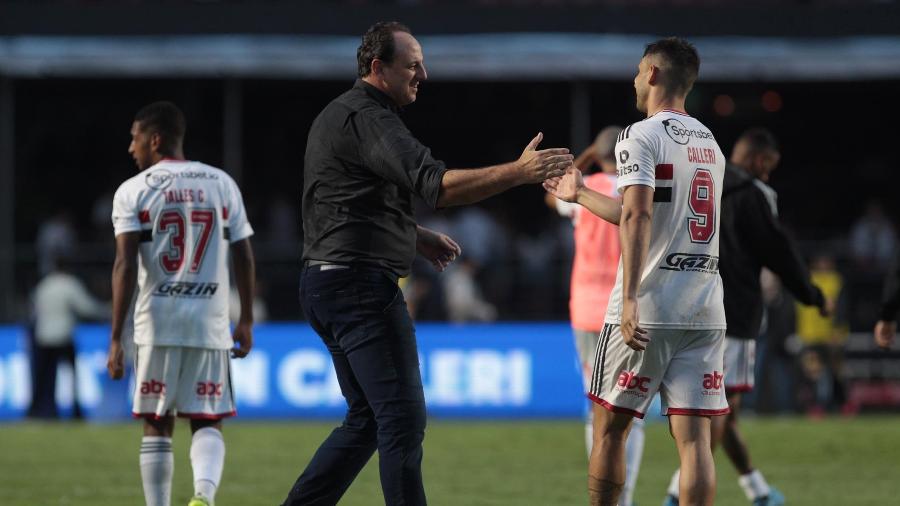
x=380 y=96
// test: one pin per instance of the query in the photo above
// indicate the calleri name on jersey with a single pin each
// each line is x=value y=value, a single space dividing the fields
x=187 y=214
x=679 y=158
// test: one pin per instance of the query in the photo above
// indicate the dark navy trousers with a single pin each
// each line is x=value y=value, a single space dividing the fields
x=360 y=314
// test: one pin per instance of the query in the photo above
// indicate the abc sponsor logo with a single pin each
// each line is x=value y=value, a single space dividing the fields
x=153 y=387
x=632 y=383
x=209 y=389
x=712 y=383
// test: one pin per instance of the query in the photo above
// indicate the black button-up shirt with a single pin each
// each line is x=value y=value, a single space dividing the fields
x=361 y=169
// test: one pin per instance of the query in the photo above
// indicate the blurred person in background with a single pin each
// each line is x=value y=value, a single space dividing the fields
x=776 y=372
x=56 y=238
x=752 y=238
x=822 y=335
x=177 y=223
x=886 y=327
x=593 y=277
x=361 y=170
x=60 y=301
x=664 y=329
x=873 y=239
x=465 y=302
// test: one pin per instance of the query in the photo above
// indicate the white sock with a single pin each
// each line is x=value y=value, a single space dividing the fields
x=207 y=460
x=754 y=485
x=673 y=484
x=634 y=453
x=157 y=465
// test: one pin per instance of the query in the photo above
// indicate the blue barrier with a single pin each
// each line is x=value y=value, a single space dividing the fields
x=509 y=370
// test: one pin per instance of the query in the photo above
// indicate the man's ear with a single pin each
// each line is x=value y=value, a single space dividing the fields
x=155 y=142
x=654 y=74
x=377 y=67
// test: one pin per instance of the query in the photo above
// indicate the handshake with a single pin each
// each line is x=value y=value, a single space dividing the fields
x=553 y=167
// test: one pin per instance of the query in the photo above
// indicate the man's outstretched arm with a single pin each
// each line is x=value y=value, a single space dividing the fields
x=465 y=186
x=571 y=188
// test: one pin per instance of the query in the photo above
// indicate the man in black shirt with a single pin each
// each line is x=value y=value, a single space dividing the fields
x=362 y=168
x=752 y=238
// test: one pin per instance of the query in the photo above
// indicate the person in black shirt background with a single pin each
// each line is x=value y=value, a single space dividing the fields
x=752 y=238
x=361 y=170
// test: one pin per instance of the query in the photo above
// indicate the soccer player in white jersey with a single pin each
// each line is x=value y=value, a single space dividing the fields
x=176 y=223
x=665 y=324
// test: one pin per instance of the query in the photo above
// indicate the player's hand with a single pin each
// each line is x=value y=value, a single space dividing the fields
x=885 y=331
x=115 y=361
x=634 y=336
x=437 y=248
x=566 y=187
x=243 y=336
x=536 y=166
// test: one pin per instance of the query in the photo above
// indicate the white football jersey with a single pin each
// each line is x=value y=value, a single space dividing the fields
x=679 y=158
x=187 y=214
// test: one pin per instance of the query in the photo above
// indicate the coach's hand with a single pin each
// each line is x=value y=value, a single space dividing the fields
x=115 y=361
x=243 y=336
x=437 y=248
x=536 y=166
x=633 y=335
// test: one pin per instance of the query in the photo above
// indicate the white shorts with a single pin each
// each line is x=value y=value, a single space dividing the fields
x=684 y=366
x=740 y=363
x=189 y=382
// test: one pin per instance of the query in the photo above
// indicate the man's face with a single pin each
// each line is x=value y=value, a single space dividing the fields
x=403 y=75
x=642 y=85
x=142 y=147
x=759 y=163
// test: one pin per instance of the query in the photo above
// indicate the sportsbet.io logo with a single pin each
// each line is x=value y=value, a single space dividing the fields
x=159 y=179
x=681 y=134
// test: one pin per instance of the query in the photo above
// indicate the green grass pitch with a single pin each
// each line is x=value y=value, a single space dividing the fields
x=827 y=462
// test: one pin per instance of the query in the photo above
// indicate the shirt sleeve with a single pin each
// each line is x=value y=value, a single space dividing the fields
x=125 y=214
x=636 y=159
x=238 y=225
x=389 y=149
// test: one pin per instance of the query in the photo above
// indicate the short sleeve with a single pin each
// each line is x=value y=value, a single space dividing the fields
x=125 y=214
x=238 y=225
x=635 y=159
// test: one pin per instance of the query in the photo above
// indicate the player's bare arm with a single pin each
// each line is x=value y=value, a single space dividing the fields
x=124 y=279
x=571 y=188
x=634 y=233
x=465 y=186
x=244 y=280
x=438 y=248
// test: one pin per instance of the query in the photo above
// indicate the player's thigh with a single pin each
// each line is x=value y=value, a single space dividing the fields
x=739 y=364
x=694 y=381
x=690 y=430
x=625 y=380
x=586 y=346
x=156 y=370
x=204 y=387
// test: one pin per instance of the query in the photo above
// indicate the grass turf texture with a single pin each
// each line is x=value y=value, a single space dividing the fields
x=827 y=462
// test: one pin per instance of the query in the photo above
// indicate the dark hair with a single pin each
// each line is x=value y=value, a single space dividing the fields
x=683 y=63
x=759 y=140
x=165 y=119
x=377 y=42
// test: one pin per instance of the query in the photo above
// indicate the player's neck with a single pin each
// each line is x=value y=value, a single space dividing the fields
x=656 y=104
x=177 y=156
